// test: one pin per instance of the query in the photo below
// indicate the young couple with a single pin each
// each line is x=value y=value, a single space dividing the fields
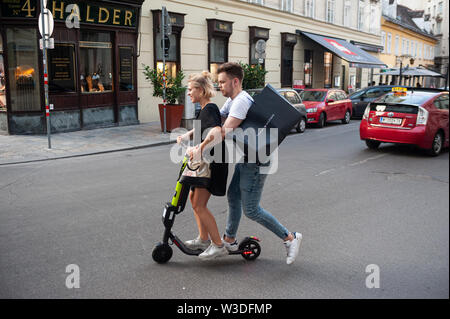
x=245 y=189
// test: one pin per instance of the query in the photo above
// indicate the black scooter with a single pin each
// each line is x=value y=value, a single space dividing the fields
x=249 y=248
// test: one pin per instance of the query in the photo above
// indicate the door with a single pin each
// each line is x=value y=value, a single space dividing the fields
x=441 y=103
x=332 y=107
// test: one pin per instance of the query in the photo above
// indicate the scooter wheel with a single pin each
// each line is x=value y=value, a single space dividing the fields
x=162 y=253
x=250 y=249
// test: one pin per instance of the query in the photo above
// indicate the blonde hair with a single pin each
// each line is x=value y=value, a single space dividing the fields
x=204 y=81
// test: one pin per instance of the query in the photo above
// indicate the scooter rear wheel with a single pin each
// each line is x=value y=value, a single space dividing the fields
x=162 y=253
x=250 y=249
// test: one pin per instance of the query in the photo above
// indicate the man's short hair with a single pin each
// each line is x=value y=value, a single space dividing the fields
x=232 y=69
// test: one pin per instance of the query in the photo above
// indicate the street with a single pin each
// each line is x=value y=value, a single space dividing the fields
x=355 y=207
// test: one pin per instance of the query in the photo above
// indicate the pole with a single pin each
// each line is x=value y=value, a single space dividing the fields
x=400 y=76
x=44 y=52
x=163 y=37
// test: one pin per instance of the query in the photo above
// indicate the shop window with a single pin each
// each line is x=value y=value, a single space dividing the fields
x=328 y=68
x=2 y=78
x=23 y=69
x=96 y=62
x=173 y=64
x=288 y=41
x=308 y=68
x=219 y=33
x=61 y=68
x=126 y=64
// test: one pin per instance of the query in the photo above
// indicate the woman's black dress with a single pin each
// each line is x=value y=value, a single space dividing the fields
x=210 y=117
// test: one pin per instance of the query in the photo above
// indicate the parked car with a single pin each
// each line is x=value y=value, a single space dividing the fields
x=295 y=100
x=419 y=117
x=323 y=105
x=360 y=99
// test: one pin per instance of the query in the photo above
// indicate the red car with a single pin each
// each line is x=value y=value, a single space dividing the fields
x=417 y=117
x=323 y=105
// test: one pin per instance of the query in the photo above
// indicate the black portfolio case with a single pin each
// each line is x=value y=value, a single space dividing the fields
x=269 y=111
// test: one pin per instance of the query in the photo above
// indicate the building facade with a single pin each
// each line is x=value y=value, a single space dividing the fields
x=209 y=33
x=96 y=69
x=405 y=42
x=92 y=69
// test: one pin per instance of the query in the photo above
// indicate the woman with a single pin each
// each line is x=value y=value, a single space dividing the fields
x=201 y=90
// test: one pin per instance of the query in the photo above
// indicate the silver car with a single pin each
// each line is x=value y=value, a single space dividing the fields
x=294 y=98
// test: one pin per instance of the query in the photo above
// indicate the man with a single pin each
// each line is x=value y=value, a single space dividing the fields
x=245 y=190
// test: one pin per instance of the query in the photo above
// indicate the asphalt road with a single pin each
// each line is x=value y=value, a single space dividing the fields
x=355 y=207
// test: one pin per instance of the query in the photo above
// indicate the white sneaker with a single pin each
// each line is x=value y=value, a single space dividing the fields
x=292 y=247
x=234 y=246
x=197 y=243
x=213 y=251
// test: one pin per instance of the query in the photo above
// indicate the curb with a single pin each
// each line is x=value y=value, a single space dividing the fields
x=89 y=154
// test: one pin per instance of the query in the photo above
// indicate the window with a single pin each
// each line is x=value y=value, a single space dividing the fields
x=288 y=41
x=261 y=2
x=420 y=51
x=361 y=15
x=96 y=62
x=309 y=8
x=383 y=41
x=218 y=33
x=23 y=73
x=330 y=11
x=292 y=97
x=438 y=27
x=172 y=56
x=287 y=5
x=308 y=68
x=373 y=19
x=440 y=7
x=258 y=40
x=388 y=45
x=397 y=45
x=328 y=68
x=373 y=93
x=2 y=78
x=347 y=13
x=126 y=63
x=61 y=68
x=403 y=46
x=407 y=47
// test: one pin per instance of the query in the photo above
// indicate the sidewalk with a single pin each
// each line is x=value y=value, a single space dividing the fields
x=15 y=149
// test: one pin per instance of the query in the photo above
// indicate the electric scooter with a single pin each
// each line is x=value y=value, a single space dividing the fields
x=249 y=248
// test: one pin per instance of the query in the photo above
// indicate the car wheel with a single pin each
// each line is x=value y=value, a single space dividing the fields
x=301 y=126
x=373 y=145
x=347 y=117
x=322 y=120
x=436 y=146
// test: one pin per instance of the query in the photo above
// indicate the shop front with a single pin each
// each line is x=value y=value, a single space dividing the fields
x=331 y=62
x=91 y=69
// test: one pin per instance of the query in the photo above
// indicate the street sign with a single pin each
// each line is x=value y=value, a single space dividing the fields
x=49 y=43
x=48 y=22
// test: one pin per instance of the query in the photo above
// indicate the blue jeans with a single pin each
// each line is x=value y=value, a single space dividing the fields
x=244 y=193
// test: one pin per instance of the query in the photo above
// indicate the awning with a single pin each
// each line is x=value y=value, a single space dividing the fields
x=413 y=71
x=355 y=56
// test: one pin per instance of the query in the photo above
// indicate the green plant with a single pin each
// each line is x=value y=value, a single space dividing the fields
x=254 y=76
x=174 y=84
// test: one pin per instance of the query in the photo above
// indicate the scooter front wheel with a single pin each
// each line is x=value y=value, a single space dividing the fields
x=250 y=249
x=162 y=253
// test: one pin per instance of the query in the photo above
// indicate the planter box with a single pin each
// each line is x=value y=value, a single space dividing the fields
x=174 y=113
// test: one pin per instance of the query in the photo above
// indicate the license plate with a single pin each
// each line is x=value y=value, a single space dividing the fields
x=388 y=120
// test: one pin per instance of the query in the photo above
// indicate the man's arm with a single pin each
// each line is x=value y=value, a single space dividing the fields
x=217 y=134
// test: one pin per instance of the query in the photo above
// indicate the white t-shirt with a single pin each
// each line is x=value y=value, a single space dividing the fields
x=237 y=107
